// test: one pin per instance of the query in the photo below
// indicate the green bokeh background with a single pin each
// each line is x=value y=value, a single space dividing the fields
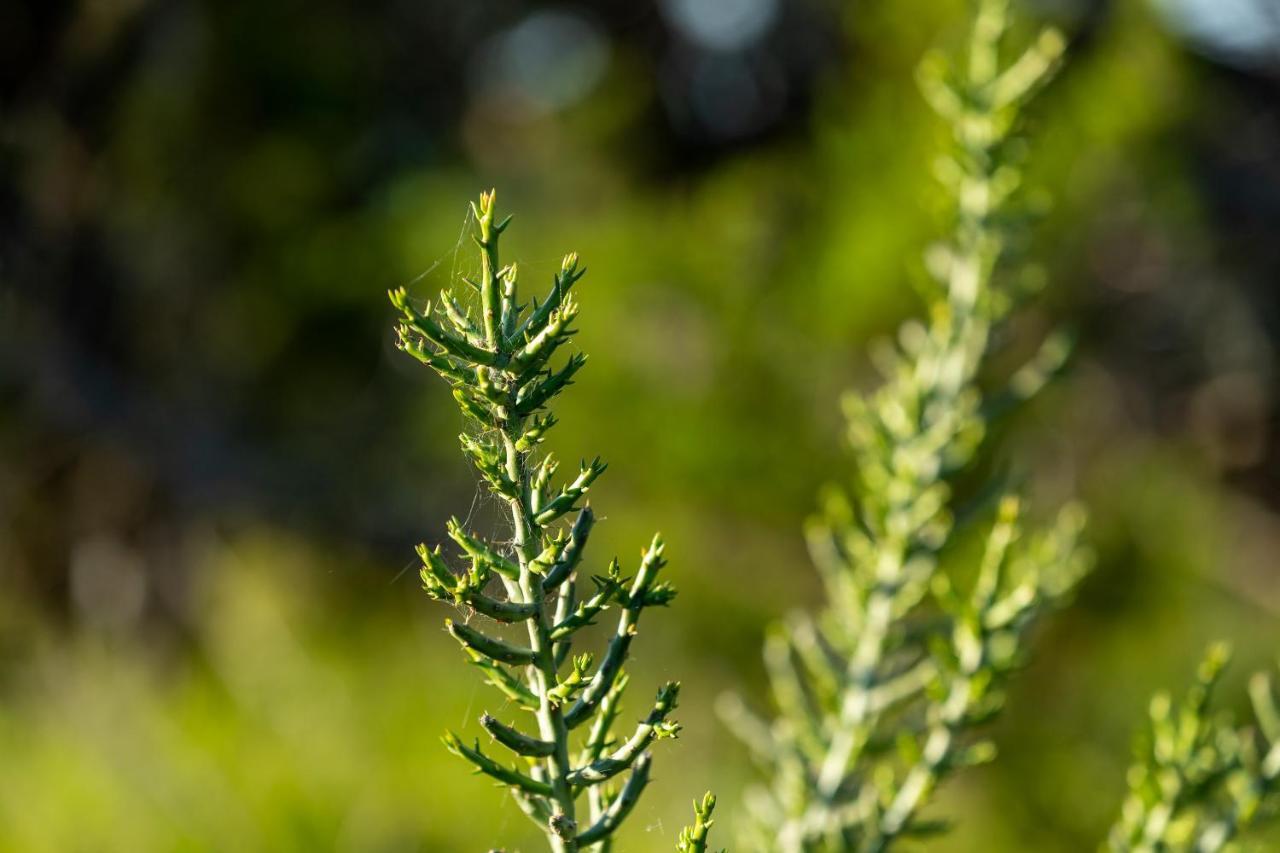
x=215 y=465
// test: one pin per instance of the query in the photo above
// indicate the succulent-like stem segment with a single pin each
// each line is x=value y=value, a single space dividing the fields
x=899 y=654
x=499 y=365
x=693 y=839
x=1197 y=780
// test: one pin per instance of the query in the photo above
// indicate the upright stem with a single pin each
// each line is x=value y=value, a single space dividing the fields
x=948 y=373
x=905 y=438
x=952 y=373
x=497 y=314
x=502 y=376
x=489 y=304
x=855 y=711
x=542 y=672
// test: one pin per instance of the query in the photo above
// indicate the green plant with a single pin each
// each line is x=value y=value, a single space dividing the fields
x=1197 y=779
x=879 y=694
x=693 y=838
x=498 y=363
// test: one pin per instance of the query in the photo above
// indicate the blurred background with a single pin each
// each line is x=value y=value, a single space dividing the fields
x=214 y=465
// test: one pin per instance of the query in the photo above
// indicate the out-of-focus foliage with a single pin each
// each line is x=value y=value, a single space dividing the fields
x=294 y=727
x=1197 y=781
x=907 y=652
x=201 y=205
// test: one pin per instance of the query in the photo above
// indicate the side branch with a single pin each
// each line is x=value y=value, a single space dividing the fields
x=651 y=728
x=621 y=805
x=516 y=740
x=644 y=592
x=571 y=554
x=490 y=647
x=486 y=765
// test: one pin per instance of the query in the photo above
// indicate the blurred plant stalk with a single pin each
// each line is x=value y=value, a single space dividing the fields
x=878 y=695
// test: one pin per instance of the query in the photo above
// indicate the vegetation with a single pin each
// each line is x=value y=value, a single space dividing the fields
x=216 y=462
x=693 y=839
x=880 y=695
x=880 y=692
x=1197 y=780
x=498 y=361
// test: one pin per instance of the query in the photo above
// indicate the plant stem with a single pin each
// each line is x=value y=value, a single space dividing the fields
x=542 y=672
x=502 y=378
x=856 y=710
x=878 y=551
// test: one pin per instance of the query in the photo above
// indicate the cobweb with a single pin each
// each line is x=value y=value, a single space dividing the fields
x=486 y=511
x=464 y=261
x=487 y=514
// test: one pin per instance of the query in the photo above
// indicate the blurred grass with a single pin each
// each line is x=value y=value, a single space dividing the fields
x=299 y=726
